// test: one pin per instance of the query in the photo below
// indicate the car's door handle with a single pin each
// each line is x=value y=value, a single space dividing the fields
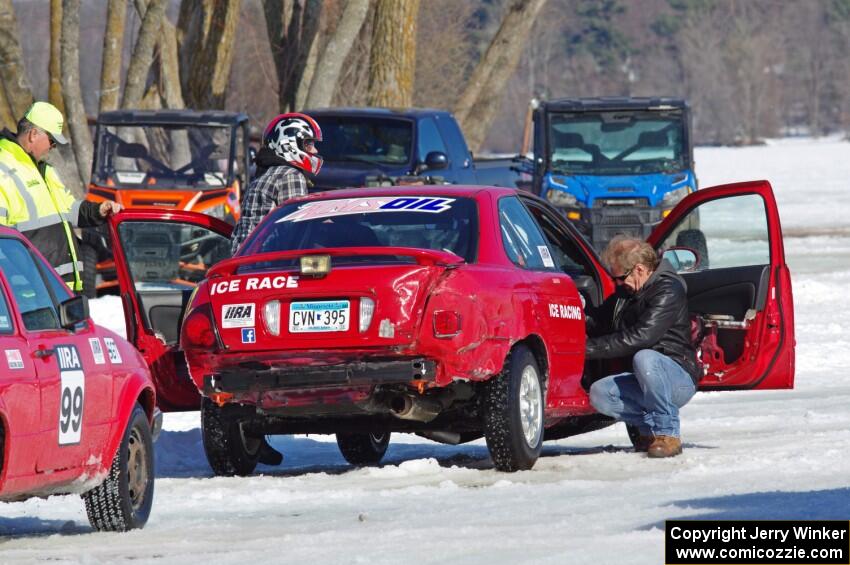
x=43 y=353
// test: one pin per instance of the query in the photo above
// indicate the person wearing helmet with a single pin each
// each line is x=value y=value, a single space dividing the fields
x=288 y=154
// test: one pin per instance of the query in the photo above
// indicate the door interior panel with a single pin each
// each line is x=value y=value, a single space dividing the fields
x=163 y=312
x=728 y=292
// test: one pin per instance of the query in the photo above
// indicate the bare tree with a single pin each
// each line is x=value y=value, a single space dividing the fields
x=12 y=71
x=54 y=89
x=479 y=102
x=209 y=28
x=142 y=57
x=169 y=86
x=113 y=43
x=292 y=26
x=75 y=111
x=7 y=119
x=336 y=50
x=392 y=66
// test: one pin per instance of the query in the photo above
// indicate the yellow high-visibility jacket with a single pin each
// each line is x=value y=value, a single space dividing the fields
x=35 y=202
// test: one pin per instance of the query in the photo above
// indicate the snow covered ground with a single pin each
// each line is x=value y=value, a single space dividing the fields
x=750 y=455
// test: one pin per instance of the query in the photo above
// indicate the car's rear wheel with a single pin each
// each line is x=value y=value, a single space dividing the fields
x=363 y=448
x=513 y=412
x=229 y=450
x=123 y=500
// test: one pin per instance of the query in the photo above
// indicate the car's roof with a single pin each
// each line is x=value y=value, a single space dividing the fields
x=377 y=112
x=453 y=190
x=171 y=117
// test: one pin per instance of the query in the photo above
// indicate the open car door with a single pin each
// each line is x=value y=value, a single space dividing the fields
x=726 y=242
x=160 y=256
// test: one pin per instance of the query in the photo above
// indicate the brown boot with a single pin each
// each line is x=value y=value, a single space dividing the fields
x=665 y=446
x=642 y=443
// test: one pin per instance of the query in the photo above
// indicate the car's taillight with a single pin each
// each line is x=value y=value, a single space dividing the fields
x=367 y=309
x=198 y=330
x=446 y=323
x=271 y=316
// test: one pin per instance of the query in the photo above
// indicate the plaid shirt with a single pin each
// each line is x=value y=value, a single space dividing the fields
x=265 y=193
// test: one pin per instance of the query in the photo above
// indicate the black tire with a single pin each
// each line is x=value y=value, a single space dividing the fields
x=634 y=434
x=88 y=257
x=123 y=501
x=363 y=449
x=694 y=239
x=229 y=451
x=505 y=404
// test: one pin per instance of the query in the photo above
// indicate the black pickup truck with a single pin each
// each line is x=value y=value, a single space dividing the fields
x=369 y=146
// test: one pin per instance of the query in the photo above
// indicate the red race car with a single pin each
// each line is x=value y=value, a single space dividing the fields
x=452 y=312
x=77 y=404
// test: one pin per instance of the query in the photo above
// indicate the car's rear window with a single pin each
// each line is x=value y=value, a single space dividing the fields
x=423 y=222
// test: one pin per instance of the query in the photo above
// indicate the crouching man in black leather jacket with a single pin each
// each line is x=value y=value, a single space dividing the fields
x=645 y=323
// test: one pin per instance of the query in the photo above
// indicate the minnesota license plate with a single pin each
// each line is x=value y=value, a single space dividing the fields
x=327 y=316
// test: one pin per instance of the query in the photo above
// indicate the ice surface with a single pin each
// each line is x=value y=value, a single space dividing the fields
x=752 y=455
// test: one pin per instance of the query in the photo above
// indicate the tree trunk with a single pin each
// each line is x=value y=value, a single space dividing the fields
x=170 y=87
x=113 y=43
x=480 y=100
x=392 y=67
x=75 y=111
x=210 y=28
x=292 y=26
x=7 y=119
x=333 y=56
x=12 y=72
x=54 y=89
x=142 y=57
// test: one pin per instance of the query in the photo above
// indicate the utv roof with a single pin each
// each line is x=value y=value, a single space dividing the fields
x=377 y=112
x=171 y=117
x=612 y=103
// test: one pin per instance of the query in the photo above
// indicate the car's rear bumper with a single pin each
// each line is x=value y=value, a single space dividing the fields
x=343 y=375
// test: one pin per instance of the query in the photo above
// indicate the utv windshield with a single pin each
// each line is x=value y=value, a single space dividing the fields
x=617 y=143
x=374 y=141
x=165 y=156
x=423 y=222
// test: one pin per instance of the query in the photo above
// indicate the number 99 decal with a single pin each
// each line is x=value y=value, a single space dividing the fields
x=72 y=395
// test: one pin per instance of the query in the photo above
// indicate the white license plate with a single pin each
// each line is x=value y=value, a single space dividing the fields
x=328 y=316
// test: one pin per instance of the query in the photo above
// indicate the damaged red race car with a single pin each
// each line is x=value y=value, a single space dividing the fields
x=77 y=404
x=451 y=312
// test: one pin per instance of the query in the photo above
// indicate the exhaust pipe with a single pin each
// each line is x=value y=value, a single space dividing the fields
x=414 y=408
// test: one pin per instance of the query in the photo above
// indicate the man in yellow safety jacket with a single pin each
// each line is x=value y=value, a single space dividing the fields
x=35 y=202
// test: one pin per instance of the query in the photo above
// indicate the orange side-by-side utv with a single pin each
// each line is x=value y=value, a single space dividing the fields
x=179 y=159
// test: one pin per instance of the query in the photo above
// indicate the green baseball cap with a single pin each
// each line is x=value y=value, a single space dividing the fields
x=49 y=118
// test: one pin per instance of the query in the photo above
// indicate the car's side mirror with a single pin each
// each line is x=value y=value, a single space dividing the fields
x=436 y=160
x=73 y=311
x=683 y=259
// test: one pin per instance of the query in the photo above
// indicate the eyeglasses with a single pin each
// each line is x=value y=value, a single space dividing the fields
x=50 y=139
x=622 y=278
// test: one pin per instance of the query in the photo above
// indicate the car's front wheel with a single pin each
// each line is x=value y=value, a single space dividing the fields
x=123 y=500
x=361 y=448
x=513 y=412
x=229 y=450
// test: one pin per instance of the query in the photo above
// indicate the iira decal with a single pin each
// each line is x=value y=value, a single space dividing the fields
x=254 y=283
x=565 y=312
x=373 y=204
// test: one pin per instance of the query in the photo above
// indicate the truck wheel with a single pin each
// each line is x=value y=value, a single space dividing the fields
x=123 y=501
x=228 y=449
x=88 y=257
x=363 y=449
x=513 y=413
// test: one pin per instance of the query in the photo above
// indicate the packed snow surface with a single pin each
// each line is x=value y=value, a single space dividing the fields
x=748 y=455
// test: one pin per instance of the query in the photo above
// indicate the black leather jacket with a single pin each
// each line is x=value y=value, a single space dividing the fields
x=655 y=317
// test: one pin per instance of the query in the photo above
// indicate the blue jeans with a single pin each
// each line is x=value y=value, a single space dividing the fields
x=649 y=398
